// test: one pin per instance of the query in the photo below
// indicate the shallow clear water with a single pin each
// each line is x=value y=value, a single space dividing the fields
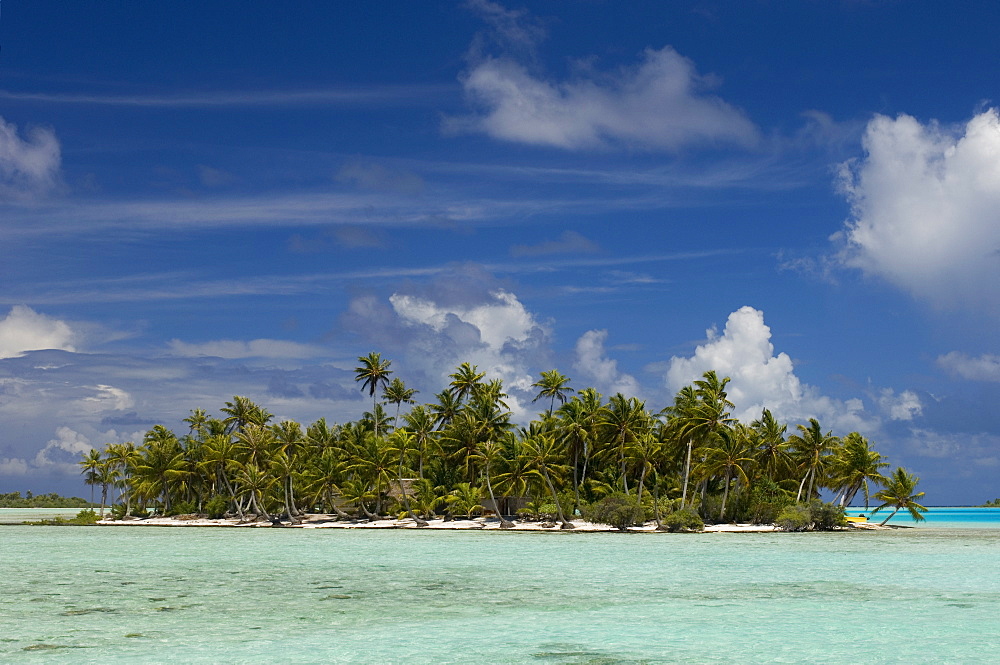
x=18 y=515
x=92 y=594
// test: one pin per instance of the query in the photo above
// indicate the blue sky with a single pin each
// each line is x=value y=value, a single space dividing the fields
x=199 y=200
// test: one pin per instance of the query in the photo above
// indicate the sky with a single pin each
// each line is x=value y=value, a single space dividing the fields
x=207 y=199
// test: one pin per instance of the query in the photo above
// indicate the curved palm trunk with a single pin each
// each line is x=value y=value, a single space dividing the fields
x=504 y=522
x=687 y=475
x=882 y=523
x=406 y=501
x=564 y=523
x=725 y=497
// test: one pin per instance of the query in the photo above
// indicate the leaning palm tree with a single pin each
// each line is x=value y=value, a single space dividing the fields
x=553 y=385
x=899 y=493
x=544 y=456
x=373 y=373
x=853 y=466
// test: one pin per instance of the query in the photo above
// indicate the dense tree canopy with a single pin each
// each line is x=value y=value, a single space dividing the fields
x=461 y=454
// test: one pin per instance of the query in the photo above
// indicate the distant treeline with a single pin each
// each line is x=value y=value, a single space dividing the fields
x=15 y=500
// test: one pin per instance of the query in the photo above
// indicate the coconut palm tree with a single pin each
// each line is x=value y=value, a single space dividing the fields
x=91 y=464
x=397 y=393
x=465 y=381
x=490 y=454
x=373 y=373
x=729 y=455
x=420 y=422
x=853 y=466
x=899 y=493
x=545 y=460
x=553 y=385
x=811 y=447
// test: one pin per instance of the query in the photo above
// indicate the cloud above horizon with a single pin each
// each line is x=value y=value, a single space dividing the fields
x=592 y=361
x=925 y=200
x=24 y=329
x=760 y=379
x=659 y=103
x=981 y=368
x=28 y=166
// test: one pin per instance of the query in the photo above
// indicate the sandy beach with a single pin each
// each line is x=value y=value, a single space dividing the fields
x=479 y=523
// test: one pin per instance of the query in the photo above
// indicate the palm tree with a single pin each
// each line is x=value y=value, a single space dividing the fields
x=730 y=456
x=91 y=464
x=465 y=381
x=397 y=393
x=811 y=447
x=853 y=467
x=543 y=455
x=553 y=385
x=399 y=441
x=491 y=454
x=373 y=373
x=626 y=421
x=899 y=493
x=420 y=423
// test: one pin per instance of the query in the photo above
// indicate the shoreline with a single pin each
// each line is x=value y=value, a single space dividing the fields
x=320 y=521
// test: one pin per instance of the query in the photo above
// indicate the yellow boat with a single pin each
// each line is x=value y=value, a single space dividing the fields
x=857 y=519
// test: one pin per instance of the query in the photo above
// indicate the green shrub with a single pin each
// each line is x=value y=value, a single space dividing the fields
x=827 y=516
x=140 y=512
x=117 y=511
x=85 y=517
x=619 y=510
x=795 y=518
x=182 y=508
x=683 y=519
x=216 y=507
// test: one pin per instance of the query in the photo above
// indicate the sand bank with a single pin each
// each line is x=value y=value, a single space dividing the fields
x=479 y=523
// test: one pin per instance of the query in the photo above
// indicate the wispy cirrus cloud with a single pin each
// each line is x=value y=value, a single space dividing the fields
x=400 y=95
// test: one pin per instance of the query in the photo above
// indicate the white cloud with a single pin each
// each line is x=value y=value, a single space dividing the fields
x=63 y=452
x=257 y=348
x=983 y=368
x=504 y=320
x=761 y=379
x=925 y=207
x=13 y=466
x=24 y=329
x=592 y=361
x=904 y=406
x=28 y=166
x=109 y=398
x=660 y=103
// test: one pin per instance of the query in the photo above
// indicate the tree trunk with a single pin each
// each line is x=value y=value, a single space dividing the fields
x=687 y=474
x=725 y=497
x=565 y=524
x=882 y=523
x=504 y=522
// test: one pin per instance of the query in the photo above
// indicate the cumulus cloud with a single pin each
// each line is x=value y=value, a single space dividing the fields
x=925 y=208
x=760 y=378
x=661 y=103
x=24 y=329
x=570 y=242
x=256 y=348
x=463 y=316
x=592 y=361
x=982 y=368
x=903 y=406
x=30 y=165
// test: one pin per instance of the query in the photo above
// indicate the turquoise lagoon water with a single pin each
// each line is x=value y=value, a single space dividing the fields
x=159 y=595
x=18 y=515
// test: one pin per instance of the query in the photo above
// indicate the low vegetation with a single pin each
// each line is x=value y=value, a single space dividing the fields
x=29 y=500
